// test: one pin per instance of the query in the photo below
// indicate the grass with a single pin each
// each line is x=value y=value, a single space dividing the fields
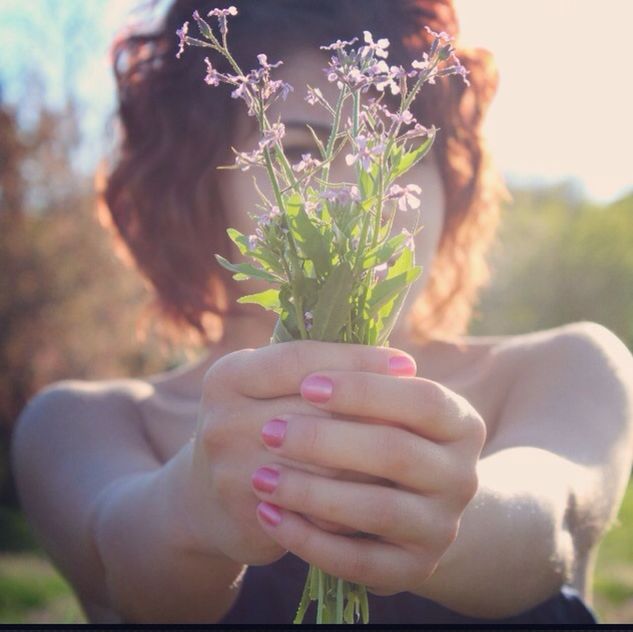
x=613 y=578
x=32 y=591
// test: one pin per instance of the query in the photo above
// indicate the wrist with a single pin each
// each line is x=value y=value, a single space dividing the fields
x=174 y=491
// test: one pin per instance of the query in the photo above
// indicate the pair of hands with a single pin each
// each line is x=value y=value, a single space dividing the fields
x=321 y=441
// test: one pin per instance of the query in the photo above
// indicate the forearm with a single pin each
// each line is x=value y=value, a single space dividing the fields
x=152 y=573
x=513 y=548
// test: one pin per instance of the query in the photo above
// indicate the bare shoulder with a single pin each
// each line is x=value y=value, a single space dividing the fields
x=72 y=440
x=548 y=348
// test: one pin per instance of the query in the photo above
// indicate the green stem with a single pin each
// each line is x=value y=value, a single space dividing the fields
x=293 y=249
x=333 y=133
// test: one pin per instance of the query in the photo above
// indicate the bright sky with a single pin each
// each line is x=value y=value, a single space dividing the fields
x=565 y=101
x=563 y=109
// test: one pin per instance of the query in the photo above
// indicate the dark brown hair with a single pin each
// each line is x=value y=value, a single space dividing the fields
x=161 y=193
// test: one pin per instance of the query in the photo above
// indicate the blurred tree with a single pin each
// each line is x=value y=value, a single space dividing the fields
x=68 y=306
x=560 y=259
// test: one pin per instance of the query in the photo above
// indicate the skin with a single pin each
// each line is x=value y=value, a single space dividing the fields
x=487 y=460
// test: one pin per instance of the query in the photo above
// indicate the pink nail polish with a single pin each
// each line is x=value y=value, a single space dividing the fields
x=317 y=388
x=273 y=432
x=401 y=365
x=265 y=479
x=269 y=513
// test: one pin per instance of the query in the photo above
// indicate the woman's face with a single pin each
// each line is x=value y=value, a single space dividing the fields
x=240 y=197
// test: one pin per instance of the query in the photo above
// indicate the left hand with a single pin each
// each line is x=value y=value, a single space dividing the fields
x=422 y=438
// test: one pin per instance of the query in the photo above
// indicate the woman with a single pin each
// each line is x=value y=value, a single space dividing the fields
x=482 y=472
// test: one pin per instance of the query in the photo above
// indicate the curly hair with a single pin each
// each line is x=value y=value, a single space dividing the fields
x=160 y=195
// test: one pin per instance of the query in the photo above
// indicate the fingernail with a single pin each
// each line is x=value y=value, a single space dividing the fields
x=273 y=432
x=401 y=365
x=269 y=513
x=265 y=479
x=317 y=388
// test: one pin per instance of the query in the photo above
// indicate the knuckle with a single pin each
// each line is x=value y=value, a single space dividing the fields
x=383 y=511
x=224 y=484
x=214 y=438
x=396 y=451
x=470 y=486
x=464 y=484
x=361 y=389
x=223 y=371
x=447 y=526
x=477 y=430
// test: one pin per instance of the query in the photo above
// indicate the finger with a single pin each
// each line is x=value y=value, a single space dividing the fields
x=378 y=450
x=397 y=516
x=422 y=406
x=277 y=370
x=359 y=560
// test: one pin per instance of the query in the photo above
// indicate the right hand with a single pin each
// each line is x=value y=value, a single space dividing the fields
x=240 y=392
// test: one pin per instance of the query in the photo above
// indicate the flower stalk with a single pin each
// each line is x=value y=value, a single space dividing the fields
x=335 y=270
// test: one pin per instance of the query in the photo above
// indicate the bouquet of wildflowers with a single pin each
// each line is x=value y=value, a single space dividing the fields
x=337 y=273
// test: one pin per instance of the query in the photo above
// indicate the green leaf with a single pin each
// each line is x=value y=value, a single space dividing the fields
x=367 y=183
x=389 y=315
x=389 y=288
x=269 y=299
x=281 y=333
x=246 y=270
x=333 y=305
x=318 y=142
x=411 y=158
x=263 y=255
x=306 y=288
x=308 y=236
x=382 y=252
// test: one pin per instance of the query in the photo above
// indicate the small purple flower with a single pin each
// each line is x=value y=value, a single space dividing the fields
x=314 y=96
x=213 y=77
x=405 y=195
x=409 y=243
x=379 y=48
x=438 y=36
x=421 y=65
x=272 y=136
x=266 y=219
x=364 y=152
x=241 y=91
x=405 y=117
x=245 y=160
x=263 y=62
x=182 y=36
x=253 y=241
x=418 y=130
x=308 y=318
x=222 y=14
x=339 y=45
x=307 y=162
x=381 y=271
x=343 y=196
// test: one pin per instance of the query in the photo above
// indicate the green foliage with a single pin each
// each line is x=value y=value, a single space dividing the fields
x=560 y=259
x=402 y=160
x=333 y=305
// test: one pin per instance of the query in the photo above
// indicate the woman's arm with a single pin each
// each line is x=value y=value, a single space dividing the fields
x=551 y=479
x=107 y=512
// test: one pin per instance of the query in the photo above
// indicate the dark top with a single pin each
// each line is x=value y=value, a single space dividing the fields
x=271 y=594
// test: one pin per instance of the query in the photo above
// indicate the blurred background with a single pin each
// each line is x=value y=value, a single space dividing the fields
x=560 y=130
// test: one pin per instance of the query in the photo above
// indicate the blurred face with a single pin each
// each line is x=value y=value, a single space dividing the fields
x=240 y=197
